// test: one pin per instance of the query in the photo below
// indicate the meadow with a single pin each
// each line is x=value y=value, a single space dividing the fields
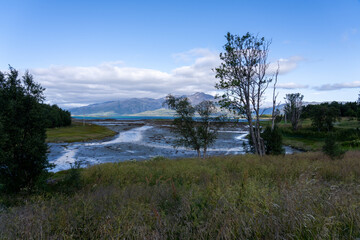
x=300 y=196
x=78 y=132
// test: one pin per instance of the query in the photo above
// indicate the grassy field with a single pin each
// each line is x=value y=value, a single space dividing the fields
x=78 y=132
x=301 y=196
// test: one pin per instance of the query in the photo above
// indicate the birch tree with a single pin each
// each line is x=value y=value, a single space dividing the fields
x=243 y=77
x=192 y=134
x=293 y=108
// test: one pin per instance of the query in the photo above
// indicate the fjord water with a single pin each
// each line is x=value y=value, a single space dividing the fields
x=142 y=141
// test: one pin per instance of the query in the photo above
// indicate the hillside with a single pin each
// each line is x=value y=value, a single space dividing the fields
x=133 y=107
x=148 y=107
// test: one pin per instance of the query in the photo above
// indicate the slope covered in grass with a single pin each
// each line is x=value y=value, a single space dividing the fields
x=302 y=196
x=78 y=132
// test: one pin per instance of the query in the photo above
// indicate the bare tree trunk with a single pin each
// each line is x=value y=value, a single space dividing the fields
x=204 y=154
x=198 y=153
x=259 y=139
x=274 y=115
x=251 y=130
x=256 y=103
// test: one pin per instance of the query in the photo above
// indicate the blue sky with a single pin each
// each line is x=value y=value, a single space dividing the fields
x=92 y=51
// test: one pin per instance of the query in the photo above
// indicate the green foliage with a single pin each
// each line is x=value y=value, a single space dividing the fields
x=55 y=116
x=323 y=117
x=348 y=109
x=351 y=144
x=293 y=108
x=243 y=79
x=273 y=141
x=332 y=149
x=184 y=122
x=22 y=127
x=72 y=180
x=346 y=134
x=192 y=134
x=205 y=132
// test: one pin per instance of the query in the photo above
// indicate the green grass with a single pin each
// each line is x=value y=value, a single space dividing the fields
x=301 y=196
x=308 y=139
x=301 y=143
x=78 y=132
x=347 y=123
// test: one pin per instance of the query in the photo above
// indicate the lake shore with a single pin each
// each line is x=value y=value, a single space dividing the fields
x=142 y=140
x=139 y=140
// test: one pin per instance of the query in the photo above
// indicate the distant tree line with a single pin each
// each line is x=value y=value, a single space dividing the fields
x=348 y=109
x=55 y=117
x=324 y=115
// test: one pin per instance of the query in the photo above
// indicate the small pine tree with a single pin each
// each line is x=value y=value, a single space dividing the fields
x=332 y=149
x=273 y=141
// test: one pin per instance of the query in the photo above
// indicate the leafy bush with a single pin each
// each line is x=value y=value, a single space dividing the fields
x=323 y=117
x=354 y=143
x=332 y=149
x=273 y=141
x=347 y=134
x=303 y=133
x=22 y=128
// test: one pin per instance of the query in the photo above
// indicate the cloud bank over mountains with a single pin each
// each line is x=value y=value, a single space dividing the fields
x=73 y=86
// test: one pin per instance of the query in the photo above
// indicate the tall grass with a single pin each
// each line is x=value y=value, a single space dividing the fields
x=302 y=196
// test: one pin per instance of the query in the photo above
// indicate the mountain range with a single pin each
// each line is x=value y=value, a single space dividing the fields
x=143 y=107
x=134 y=107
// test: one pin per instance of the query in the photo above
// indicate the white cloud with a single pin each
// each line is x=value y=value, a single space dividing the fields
x=291 y=85
x=191 y=54
x=74 y=86
x=71 y=86
x=286 y=65
x=337 y=86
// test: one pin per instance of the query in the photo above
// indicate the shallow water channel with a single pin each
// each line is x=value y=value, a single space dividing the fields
x=139 y=141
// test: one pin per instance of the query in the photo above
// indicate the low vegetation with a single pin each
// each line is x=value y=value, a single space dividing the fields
x=78 y=132
x=301 y=196
x=345 y=131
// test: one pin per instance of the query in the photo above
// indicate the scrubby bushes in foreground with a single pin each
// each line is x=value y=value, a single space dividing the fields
x=303 y=196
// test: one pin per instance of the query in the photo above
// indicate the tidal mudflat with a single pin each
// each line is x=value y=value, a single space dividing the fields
x=141 y=140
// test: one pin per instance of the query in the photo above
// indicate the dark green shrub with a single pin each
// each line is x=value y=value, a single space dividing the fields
x=22 y=132
x=273 y=141
x=332 y=148
x=347 y=134
x=353 y=143
x=72 y=180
